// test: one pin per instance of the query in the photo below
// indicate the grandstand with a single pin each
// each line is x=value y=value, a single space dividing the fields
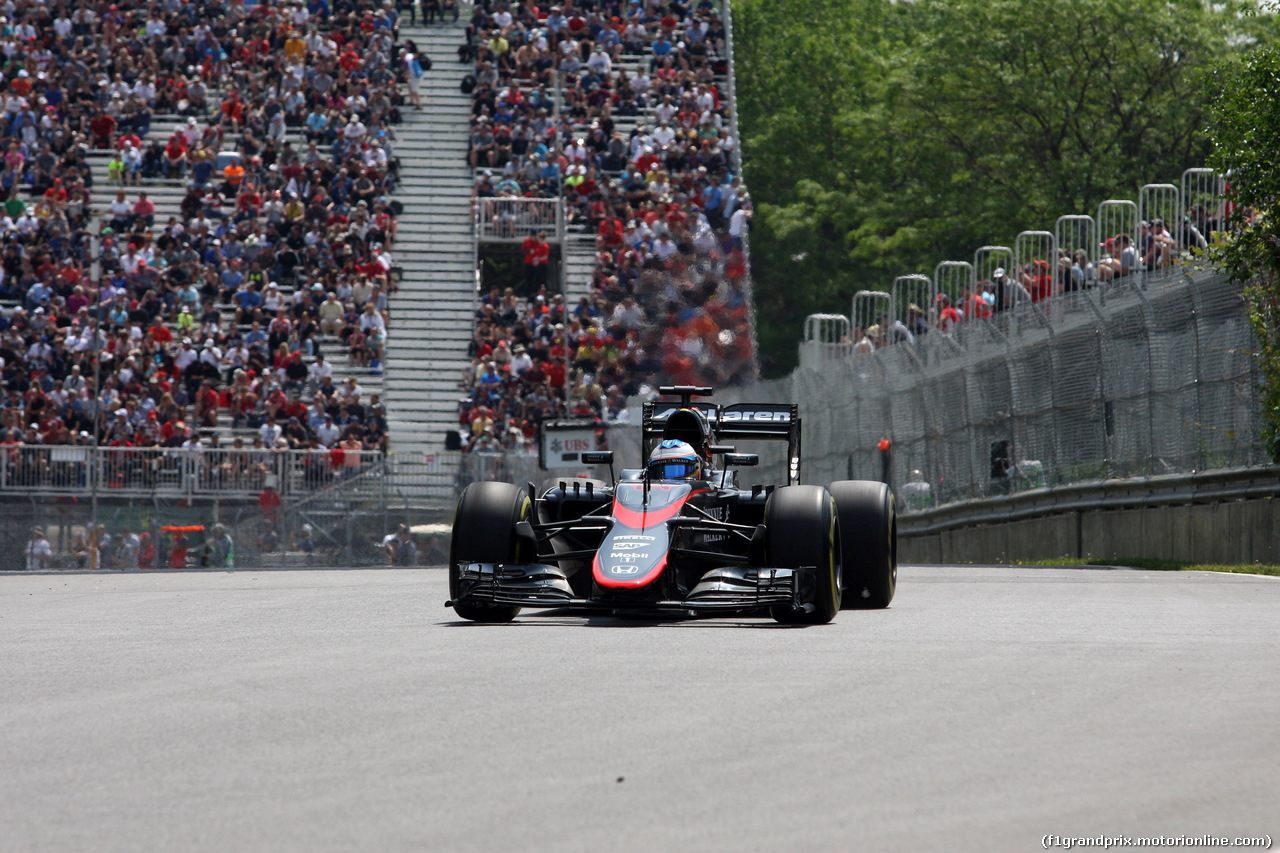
x=200 y=237
x=614 y=136
x=239 y=259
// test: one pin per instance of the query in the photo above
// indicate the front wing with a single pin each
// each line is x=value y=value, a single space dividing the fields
x=538 y=585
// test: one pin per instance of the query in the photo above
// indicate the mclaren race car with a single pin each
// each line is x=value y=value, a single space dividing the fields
x=678 y=536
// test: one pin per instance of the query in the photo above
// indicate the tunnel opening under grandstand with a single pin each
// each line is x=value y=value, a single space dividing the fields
x=502 y=266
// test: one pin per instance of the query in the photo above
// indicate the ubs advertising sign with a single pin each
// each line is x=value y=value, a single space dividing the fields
x=563 y=443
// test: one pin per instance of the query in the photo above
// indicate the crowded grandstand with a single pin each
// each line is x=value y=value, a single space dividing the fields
x=223 y=323
x=619 y=110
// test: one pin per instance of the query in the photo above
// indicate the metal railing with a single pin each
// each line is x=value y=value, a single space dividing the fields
x=511 y=220
x=1140 y=377
x=826 y=336
x=1229 y=484
x=1118 y=243
x=75 y=470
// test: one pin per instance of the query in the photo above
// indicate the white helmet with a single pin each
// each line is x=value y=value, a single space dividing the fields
x=674 y=460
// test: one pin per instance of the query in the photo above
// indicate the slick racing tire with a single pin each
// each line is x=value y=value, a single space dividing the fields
x=484 y=531
x=801 y=531
x=869 y=541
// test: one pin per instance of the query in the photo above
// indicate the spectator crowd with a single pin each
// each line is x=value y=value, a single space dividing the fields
x=618 y=108
x=1119 y=257
x=278 y=263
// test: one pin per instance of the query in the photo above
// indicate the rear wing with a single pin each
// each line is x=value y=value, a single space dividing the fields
x=741 y=421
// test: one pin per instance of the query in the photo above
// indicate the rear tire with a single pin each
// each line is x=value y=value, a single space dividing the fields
x=869 y=542
x=801 y=530
x=484 y=531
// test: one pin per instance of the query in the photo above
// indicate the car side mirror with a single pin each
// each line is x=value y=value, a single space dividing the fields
x=745 y=460
x=600 y=457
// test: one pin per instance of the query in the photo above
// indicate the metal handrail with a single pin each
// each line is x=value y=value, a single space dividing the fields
x=69 y=470
x=511 y=220
x=1200 y=487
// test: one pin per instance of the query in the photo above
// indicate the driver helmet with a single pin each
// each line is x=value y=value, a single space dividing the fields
x=674 y=460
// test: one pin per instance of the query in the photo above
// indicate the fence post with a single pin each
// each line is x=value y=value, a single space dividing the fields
x=1197 y=317
x=868 y=307
x=908 y=291
x=1079 y=233
x=1203 y=204
x=1159 y=203
x=1036 y=259
x=1117 y=217
x=350 y=540
x=157 y=539
x=826 y=337
x=1149 y=315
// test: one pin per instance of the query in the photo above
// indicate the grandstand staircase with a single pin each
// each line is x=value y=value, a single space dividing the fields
x=433 y=313
x=580 y=263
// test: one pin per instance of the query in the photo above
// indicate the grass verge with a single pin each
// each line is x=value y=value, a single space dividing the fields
x=1166 y=565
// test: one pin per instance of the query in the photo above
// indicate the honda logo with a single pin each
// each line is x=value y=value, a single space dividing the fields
x=623 y=570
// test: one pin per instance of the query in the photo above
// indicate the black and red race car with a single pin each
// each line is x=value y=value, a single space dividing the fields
x=676 y=538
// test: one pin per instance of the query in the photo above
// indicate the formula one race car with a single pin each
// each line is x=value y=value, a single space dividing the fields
x=678 y=536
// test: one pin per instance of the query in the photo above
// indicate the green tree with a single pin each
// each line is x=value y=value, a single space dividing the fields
x=881 y=138
x=1246 y=147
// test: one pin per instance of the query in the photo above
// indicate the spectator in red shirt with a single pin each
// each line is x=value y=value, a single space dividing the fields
x=178 y=553
x=56 y=195
x=948 y=317
x=232 y=110
x=160 y=333
x=207 y=404
x=975 y=307
x=175 y=157
x=249 y=201
x=612 y=230
x=144 y=210
x=146 y=552
x=555 y=373
x=537 y=254
x=102 y=128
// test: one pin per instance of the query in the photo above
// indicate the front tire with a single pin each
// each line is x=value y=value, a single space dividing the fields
x=869 y=542
x=484 y=531
x=801 y=530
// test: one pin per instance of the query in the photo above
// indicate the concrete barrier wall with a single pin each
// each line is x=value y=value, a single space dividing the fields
x=1242 y=531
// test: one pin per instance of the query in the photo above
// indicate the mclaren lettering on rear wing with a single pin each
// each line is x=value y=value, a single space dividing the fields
x=756 y=420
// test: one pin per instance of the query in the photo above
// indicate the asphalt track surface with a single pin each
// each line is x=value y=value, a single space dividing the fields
x=348 y=710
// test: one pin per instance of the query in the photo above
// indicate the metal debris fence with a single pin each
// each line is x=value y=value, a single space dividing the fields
x=1151 y=374
x=1100 y=349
